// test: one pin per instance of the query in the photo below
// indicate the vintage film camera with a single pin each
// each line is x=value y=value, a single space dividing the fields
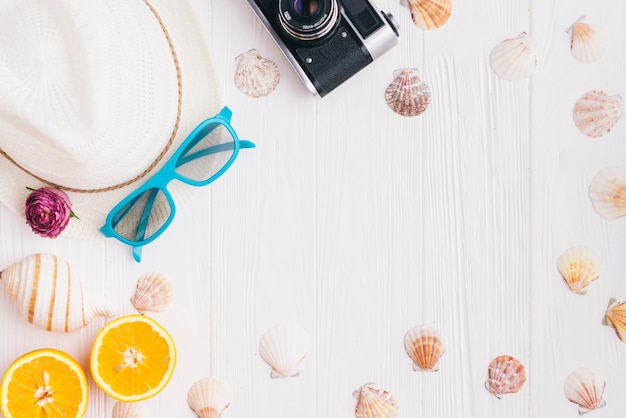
x=327 y=41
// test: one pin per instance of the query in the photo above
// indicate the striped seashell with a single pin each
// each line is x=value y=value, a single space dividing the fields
x=373 y=402
x=588 y=43
x=579 y=266
x=407 y=95
x=429 y=14
x=585 y=387
x=615 y=317
x=256 y=76
x=154 y=292
x=129 y=410
x=595 y=113
x=424 y=345
x=514 y=59
x=607 y=192
x=284 y=347
x=506 y=375
x=45 y=292
x=209 y=397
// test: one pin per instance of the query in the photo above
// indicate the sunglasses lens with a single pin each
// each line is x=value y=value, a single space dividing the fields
x=207 y=153
x=143 y=216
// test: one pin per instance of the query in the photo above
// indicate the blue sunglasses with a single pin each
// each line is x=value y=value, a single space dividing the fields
x=133 y=221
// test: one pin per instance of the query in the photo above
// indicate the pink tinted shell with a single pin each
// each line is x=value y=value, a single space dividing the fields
x=373 y=402
x=506 y=375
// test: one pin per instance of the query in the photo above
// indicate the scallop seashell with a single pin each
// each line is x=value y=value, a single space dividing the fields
x=585 y=387
x=615 y=317
x=579 y=266
x=514 y=59
x=424 y=345
x=209 y=397
x=607 y=192
x=129 y=410
x=284 y=347
x=429 y=14
x=595 y=113
x=373 y=402
x=256 y=76
x=407 y=95
x=588 y=43
x=153 y=293
x=45 y=292
x=506 y=375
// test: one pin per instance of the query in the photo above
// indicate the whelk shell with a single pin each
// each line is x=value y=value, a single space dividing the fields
x=514 y=59
x=424 y=345
x=45 y=292
x=129 y=410
x=209 y=397
x=615 y=317
x=256 y=76
x=588 y=43
x=506 y=375
x=607 y=192
x=154 y=292
x=429 y=14
x=407 y=95
x=585 y=387
x=579 y=266
x=373 y=402
x=595 y=113
x=284 y=347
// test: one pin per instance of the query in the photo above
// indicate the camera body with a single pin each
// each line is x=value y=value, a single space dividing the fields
x=327 y=41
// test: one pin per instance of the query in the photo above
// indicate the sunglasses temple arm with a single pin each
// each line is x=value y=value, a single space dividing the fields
x=143 y=223
x=213 y=150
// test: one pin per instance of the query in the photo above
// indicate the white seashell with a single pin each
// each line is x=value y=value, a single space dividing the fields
x=256 y=76
x=607 y=192
x=514 y=59
x=407 y=95
x=588 y=43
x=595 y=113
x=425 y=346
x=585 y=387
x=506 y=374
x=129 y=410
x=579 y=266
x=284 y=347
x=45 y=292
x=209 y=397
x=154 y=292
x=429 y=14
x=373 y=402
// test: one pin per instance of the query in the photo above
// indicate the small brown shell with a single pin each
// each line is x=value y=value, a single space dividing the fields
x=407 y=95
x=424 y=345
x=429 y=14
x=373 y=402
x=615 y=317
x=256 y=76
x=506 y=375
x=153 y=293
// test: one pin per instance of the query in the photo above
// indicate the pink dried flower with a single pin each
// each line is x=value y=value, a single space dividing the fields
x=48 y=211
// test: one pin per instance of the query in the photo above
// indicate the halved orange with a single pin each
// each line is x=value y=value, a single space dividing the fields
x=132 y=358
x=44 y=383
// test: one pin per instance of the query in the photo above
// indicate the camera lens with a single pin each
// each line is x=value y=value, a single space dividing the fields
x=308 y=20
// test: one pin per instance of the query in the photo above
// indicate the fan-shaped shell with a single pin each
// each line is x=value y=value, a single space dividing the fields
x=209 y=397
x=514 y=59
x=153 y=293
x=425 y=346
x=129 y=410
x=595 y=113
x=506 y=375
x=588 y=43
x=607 y=192
x=407 y=95
x=579 y=266
x=429 y=14
x=46 y=293
x=284 y=347
x=373 y=402
x=585 y=387
x=256 y=76
x=615 y=317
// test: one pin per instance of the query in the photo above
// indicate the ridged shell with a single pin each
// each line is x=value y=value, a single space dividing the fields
x=45 y=292
x=429 y=14
x=407 y=95
x=256 y=76
x=153 y=293
x=514 y=59
x=615 y=317
x=129 y=410
x=585 y=387
x=595 y=113
x=607 y=192
x=373 y=402
x=506 y=374
x=588 y=43
x=209 y=397
x=284 y=347
x=579 y=266
x=425 y=346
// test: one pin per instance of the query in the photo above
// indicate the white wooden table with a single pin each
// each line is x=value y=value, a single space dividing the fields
x=359 y=224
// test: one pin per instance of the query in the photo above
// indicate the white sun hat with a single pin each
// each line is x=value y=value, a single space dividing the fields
x=95 y=95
